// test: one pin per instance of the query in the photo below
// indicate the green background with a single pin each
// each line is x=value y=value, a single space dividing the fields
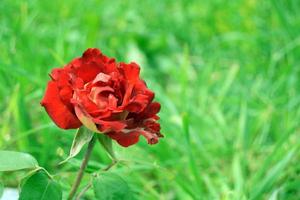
x=226 y=73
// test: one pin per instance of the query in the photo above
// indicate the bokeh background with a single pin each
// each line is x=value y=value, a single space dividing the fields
x=226 y=73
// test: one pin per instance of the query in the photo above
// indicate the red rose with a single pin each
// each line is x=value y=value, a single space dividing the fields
x=105 y=96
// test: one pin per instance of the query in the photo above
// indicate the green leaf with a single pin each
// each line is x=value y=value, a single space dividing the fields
x=107 y=145
x=82 y=137
x=11 y=161
x=40 y=187
x=111 y=186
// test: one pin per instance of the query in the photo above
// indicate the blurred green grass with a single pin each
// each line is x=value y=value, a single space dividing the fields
x=226 y=73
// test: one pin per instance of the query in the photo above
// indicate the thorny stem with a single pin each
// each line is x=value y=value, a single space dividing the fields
x=82 y=168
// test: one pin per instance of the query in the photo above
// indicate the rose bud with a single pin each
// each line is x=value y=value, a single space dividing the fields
x=105 y=96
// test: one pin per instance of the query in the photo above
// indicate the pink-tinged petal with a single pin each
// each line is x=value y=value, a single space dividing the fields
x=101 y=77
x=125 y=139
x=62 y=116
x=99 y=96
x=85 y=119
x=152 y=138
x=81 y=98
x=96 y=91
x=112 y=102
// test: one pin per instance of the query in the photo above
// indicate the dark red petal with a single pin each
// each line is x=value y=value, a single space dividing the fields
x=75 y=63
x=88 y=71
x=138 y=103
x=141 y=88
x=92 y=63
x=91 y=53
x=105 y=126
x=110 y=65
x=125 y=139
x=151 y=110
x=132 y=137
x=57 y=110
x=152 y=125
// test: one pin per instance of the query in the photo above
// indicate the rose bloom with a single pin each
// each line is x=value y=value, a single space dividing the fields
x=105 y=96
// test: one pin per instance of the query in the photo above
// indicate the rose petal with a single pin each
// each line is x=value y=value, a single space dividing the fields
x=101 y=77
x=151 y=110
x=112 y=102
x=127 y=95
x=141 y=88
x=152 y=138
x=96 y=91
x=66 y=94
x=62 y=116
x=152 y=125
x=105 y=126
x=129 y=138
x=91 y=53
x=85 y=119
x=88 y=71
x=82 y=98
x=137 y=104
x=125 y=139
x=131 y=71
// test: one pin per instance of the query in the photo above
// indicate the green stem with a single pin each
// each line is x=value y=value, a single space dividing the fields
x=82 y=168
x=89 y=185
